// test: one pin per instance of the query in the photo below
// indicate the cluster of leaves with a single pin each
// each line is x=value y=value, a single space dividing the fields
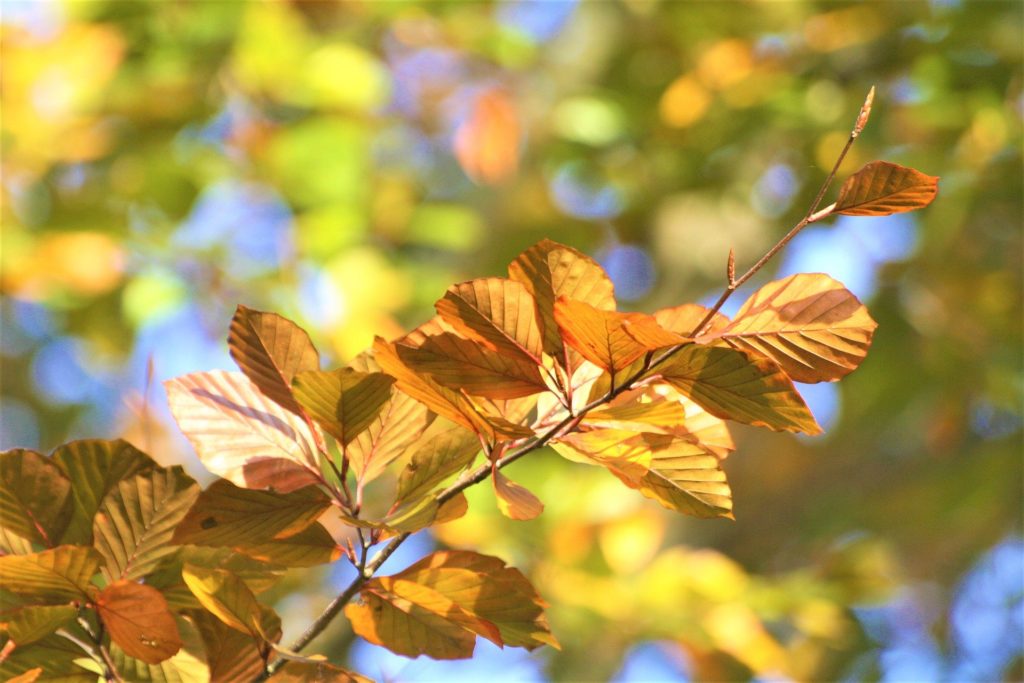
x=110 y=556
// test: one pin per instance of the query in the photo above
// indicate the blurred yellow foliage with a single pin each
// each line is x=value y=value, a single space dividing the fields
x=684 y=103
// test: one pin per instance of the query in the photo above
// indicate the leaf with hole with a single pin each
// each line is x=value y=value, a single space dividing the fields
x=139 y=621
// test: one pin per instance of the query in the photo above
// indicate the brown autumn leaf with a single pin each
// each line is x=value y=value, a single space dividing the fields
x=809 y=324
x=242 y=435
x=461 y=363
x=514 y=500
x=549 y=270
x=685 y=319
x=610 y=339
x=312 y=546
x=271 y=350
x=139 y=621
x=344 y=402
x=739 y=385
x=315 y=672
x=487 y=141
x=232 y=655
x=882 y=188
x=227 y=515
x=495 y=312
x=35 y=505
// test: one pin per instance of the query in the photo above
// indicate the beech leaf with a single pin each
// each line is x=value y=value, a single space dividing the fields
x=226 y=515
x=230 y=654
x=136 y=521
x=315 y=672
x=225 y=596
x=271 y=350
x=34 y=500
x=495 y=312
x=882 y=188
x=188 y=665
x=809 y=324
x=344 y=402
x=60 y=574
x=515 y=501
x=685 y=319
x=610 y=339
x=398 y=425
x=242 y=435
x=444 y=450
x=139 y=621
x=95 y=466
x=738 y=385
x=33 y=622
x=549 y=270
x=309 y=547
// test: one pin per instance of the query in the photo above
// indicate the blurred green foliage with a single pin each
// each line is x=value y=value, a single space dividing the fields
x=165 y=161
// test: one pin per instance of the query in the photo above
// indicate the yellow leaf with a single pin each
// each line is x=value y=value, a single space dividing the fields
x=495 y=312
x=315 y=672
x=139 y=621
x=549 y=270
x=242 y=435
x=515 y=501
x=398 y=425
x=738 y=385
x=686 y=318
x=344 y=402
x=271 y=350
x=610 y=339
x=882 y=188
x=226 y=596
x=809 y=324
x=311 y=546
x=58 y=575
x=444 y=450
x=233 y=655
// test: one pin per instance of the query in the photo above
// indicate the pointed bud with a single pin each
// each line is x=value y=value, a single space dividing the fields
x=730 y=269
x=865 y=112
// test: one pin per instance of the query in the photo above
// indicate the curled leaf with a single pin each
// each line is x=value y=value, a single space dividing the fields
x=515 y=501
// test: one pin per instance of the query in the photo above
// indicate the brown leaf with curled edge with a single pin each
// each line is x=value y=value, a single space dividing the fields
x=498 y=313
x=882 y=188
x=242 y=435
x=610 y=339
x=344 y=402
x=515 y=501
x=809 y=324
x=444 y=401
x=35 y=502
x=686 y=318
x=271 y=350
x=96 y=466
x=139 y=621
x=549 y=270
x=487 y=141
x=485 y=586
x=459 y=363
x=739 y=385
x=227 y=515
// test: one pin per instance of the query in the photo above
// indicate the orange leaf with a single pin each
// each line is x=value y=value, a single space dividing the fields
x=515 y=501
x=496 y=312
x=242 y=435
x=738 y=385
x=487 y=142
x=684 y=319
x=610 y=339
x=139 y=621
x=882 y=188
x=398 y=425
x=315 y=672
x=460 y=363
x=344 y=402
x=809 y=324
x=549 y=270
x=271 y=350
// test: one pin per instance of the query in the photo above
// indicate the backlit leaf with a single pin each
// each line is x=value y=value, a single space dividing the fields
x=271 y=350
x=344 y=402
x=610 y=339
x=95 y=466
x=242 y=435
x=232 y=655
x=444 y=450
x=737 y=385
x=311 y=546
x=460 y=363
x=549 y=270
x=226 y=515
x=515 y=501
x=139 y=621
x=639 y=411
x=225 y=596
x=34 y=502
x=809 y=324
x=882 y=188
x=496 y=312
x=258 y=576
x=398 y=425
x=61 y=574
x=315 y=672
x=686 y=318
x=484 y=586
x=625 y=452
x=136 y=521
x=31 y=623
x=426 y=512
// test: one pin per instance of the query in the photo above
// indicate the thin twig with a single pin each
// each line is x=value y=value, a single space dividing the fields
x=96 y=650
x=572 y=420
